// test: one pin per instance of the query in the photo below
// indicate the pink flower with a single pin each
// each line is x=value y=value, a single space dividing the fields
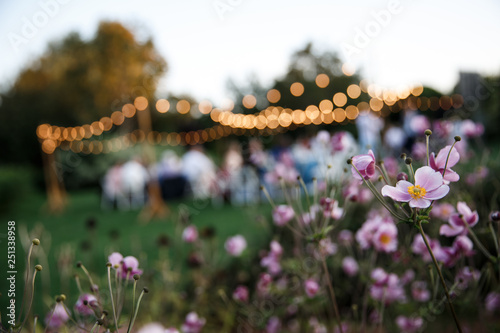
x=350 y=266
x=438 y=163
x=419 y=291
x=492 y=302
x=386 y=238
x=241 y=294
x=419 y=124
x=409 y=325
x=282 y=214
x=386 y=287
x=456 y=224
x=85 y=304
x=170 y=330
x=193 y=323
x=465 y=276
x=428 y=186
x=190 y=234
x=418 y=247
x=326 y=248
x=264 y=284
x=57 y=317
x=272 y=260
x=235 y=245
x=311 y=287
x=152 y=328
x=471 y=129
x=365 y=164
x=419 y=150
x=345 y=237
x=331 y=208
x=357 y=193
x=127 y=267
x=442 y=211
x=273 y=325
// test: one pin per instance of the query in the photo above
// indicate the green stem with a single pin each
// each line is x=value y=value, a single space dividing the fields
x=31 y=301
x=111 y=296
x=332 y=294
x=132 y=319
x=457 y=323
x=479 y=244
x=448 y=157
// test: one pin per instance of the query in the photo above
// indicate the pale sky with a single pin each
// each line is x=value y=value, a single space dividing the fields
x=206 y=42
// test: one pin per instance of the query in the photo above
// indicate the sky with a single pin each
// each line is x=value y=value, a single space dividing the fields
x=207 y=42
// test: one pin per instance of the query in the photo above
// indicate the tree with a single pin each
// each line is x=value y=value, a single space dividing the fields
x=75 y=82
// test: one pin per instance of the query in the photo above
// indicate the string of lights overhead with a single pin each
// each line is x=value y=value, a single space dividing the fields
x=269 y=120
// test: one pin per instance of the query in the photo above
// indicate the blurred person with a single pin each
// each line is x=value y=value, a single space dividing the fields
x=395 y=139
x=112 y=188
x=369 y=127
x=169 y=171
x=135 y=177
x=199 y=170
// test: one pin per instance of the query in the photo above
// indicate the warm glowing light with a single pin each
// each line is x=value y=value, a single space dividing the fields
x=297 y=89
x=376 y=104
x=457 y=101
x=322 y=80
x=417 y=90
x=339 y=115
x=348 y=70
x=364 y=84
x=205 y=107
x=273 y=96
x=48 y=146
x=42 y=131
x=107 y=123
x=117 y=118
x=363 y=106
x=340 y=99
x=183 y=106
x=326 y=106
x=249 y=101
x=351 y=112
x=141 y=103
x=354 y=91
x=128 y=110
x=434 y=103
x=312 y=112
x=97 y=128
x=162 y=105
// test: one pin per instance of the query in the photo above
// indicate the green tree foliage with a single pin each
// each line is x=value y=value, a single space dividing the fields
x=74 y=82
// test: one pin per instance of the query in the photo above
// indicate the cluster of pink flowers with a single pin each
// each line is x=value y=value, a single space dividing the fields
x=311 y=287
x=409 y=324
x=386 y=287
x=86 y=304
x=57 y=317
x=379 y=232
x=193 y=323
x=331 y=208
x=272 y=260
x=456 y=221
x=127 y=267
x=241 y=294
x=282 y=214
x=350 y=266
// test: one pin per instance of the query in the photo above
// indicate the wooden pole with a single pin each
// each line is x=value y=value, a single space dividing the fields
x=56 y=194
x=156 y=206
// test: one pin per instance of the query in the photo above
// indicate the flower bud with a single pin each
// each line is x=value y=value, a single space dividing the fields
x=495 y=216
x=402 y=156
x=108 y=264
x=137 y=277
x=38 y=268
x=428 y=132
x=79 y=264
x=146 y=290
x=408 y=160
x=36 y=241
x=349 y=161
x=402 y=176
x=458 y=138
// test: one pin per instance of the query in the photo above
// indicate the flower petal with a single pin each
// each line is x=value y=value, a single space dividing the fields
x=463 y=209
x=420 y=203
x=432 y=162
x=438 y=193
x=451 y=176
x=443 y=155
x=448 y=231
x=395 y=193
x=428 y=178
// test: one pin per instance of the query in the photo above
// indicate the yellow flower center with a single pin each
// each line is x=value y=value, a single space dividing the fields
x=416 y=191
x=385 y=239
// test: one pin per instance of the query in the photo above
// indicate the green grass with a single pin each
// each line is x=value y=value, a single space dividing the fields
x=66 y=239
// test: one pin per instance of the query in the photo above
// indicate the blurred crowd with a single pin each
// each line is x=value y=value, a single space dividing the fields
x=245 y=167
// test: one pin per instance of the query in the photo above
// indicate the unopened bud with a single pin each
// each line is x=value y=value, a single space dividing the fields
x=108 y=264
x=458 y=138
x=495 y=216
x=136 y=277
x=428 y=132
x=38 y=268
x=36 y=241
x=79 y=264
x=402 y=156
x=349 y=161
x=146 y=290
x=408 y=160
x=402 y=176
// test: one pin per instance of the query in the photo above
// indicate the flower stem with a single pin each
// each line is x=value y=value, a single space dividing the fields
x=332 y=294
x=457 y=323
x=448 y=157
x=111 y=296
x=479 y=244
x=132 y=319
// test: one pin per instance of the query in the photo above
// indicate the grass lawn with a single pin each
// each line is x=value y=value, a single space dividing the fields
x=66 y=238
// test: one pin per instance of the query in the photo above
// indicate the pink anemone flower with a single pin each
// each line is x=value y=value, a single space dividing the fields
x=365 y=164
x=428 y=186
x=439 y=162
